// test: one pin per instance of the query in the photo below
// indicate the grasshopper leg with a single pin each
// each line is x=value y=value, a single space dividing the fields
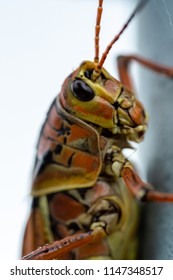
x=141 y=190
x=57 y=249
x=124 y=63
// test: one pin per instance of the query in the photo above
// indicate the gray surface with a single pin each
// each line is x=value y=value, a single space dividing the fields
x=156 y=43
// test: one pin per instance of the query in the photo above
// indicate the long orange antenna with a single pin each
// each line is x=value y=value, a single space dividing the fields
x=97 y=30
x=97 y=70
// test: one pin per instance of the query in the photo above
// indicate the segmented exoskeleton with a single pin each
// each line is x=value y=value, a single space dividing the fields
x=84 y=189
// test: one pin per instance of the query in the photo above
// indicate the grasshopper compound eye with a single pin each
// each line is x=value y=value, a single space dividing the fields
x=81 y=90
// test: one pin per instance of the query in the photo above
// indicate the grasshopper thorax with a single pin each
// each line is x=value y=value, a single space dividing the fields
x=104 y=102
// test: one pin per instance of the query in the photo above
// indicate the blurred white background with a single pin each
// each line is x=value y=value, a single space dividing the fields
x=41 y=43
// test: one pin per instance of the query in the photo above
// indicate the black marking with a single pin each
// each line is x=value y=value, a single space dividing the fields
x=64 y=130
x=46 y=250
x=116 y=105
x=104 y=212
x=74 y=227
x=54 y=140
x=70 y=160
x=64 y=140
x=58 y=149
x=47 y=159
x=35 y=202
x=54 y=226
x=88 y=73
x=50 y=138
x=82 y=192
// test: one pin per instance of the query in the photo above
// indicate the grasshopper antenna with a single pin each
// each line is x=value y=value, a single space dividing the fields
x=97 y=70
x=97 y=30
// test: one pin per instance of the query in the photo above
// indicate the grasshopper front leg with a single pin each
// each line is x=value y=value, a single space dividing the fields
x=141 y=190
x=132 y=180
x=118 y=165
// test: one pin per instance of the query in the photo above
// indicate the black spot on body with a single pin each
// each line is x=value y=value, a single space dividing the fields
x=64 y=130
x=42 y=163
x=58 y=149
x=70 y=159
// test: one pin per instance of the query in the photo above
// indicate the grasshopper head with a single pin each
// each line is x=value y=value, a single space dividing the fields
x=104 y=102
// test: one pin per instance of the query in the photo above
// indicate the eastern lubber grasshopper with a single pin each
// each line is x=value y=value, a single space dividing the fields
x=85 y=190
